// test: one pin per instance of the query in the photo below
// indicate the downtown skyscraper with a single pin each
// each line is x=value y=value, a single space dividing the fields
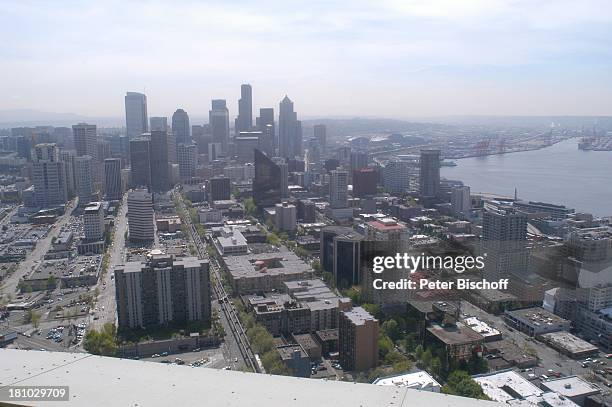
x=218 y=118
x=244 y=121
x=429 y=178
x=85 y=139
x=180 y=127
x=289 y=130
x=49 y=176
x=136 y=120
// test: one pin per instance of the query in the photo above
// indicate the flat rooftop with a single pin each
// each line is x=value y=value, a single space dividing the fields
x=481 y=327
x=571 y=386
x=416 y=380
x=507 y=385
x=455 y=335
x=569 y=342
x=537 y=315
x=359 y=316
x=281 y=262
x=123 y=380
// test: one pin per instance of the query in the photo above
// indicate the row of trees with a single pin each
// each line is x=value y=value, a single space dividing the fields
x=262 y=343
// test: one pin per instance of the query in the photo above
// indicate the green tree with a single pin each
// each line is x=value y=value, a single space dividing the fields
x=460 y=383
x=103 y=342
x=316 y=266
x=385 y=345
x=391 y=328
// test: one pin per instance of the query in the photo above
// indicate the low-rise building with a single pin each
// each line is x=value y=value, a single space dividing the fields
x=420 y=380
x=265 y=272
x=536 y=321
x=574 y=388
x=459 y=341
x=569 y=344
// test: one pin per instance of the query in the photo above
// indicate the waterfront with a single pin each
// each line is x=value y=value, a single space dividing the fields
x=560 y=174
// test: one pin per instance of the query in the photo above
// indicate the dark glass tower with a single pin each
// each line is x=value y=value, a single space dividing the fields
x=267 y=181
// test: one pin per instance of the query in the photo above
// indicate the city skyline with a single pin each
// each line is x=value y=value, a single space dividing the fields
x=420 y=59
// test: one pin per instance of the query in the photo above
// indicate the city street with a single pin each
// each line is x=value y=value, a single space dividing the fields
x=105 y=305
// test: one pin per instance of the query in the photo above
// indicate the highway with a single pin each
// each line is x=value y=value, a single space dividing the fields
x=227 y=308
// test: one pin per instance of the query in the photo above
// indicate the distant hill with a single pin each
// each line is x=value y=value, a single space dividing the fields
x=29 y=117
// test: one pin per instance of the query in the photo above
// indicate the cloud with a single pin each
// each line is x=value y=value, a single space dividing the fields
x=187 y=52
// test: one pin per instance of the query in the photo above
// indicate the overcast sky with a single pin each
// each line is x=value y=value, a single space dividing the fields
x=388 y=58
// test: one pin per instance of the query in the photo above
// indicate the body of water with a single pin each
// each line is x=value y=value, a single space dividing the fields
x=560 y=174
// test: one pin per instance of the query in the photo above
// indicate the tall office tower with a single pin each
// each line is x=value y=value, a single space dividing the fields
x=267 y=181
x=187 y=160
x=214 y=151
x=461 y=202
x=48 y=176
x=93 y=221
x=289 y=130
x=338 y=189
x=201 y=137
x=67 y=157
x=136 y=120
x=266 y=117
x=358 y=160
x=320 y=133
x=84 y=179
x=341 y=254
x=244 y=121
x=160 y=180
x=103 y=149
x=171 y=147
x=245 y=144
x=159 y=123
x=180 y=127
x=284 y=175
x=218 y=118
x=357 y=340
x=162 y=290
x=365 y=182
x=285 y=217
x=85 y=139
x=220 y=189
x=140 y=159
x=112 y=178
x=140 y=216
x=265 y=124
x=429 y=178
x=504 y=240
x=314 y=152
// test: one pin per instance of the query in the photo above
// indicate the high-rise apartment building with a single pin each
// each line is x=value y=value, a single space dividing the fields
x=461 y=201
x=140 y=215
x=338 y=189
x=244 y=121
x=112 y=178
x=136 y=120
x=93 y=221
x=397 y=175
x=187 y=160
x=289 y=130
x=504 y=241
x=140 y=160
x=357 y=340
x=85 y=139
x=429 y=179
x=218 y=118
x=162 y=290
x=48 y=176
x=160 y=180
x=180 y=127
